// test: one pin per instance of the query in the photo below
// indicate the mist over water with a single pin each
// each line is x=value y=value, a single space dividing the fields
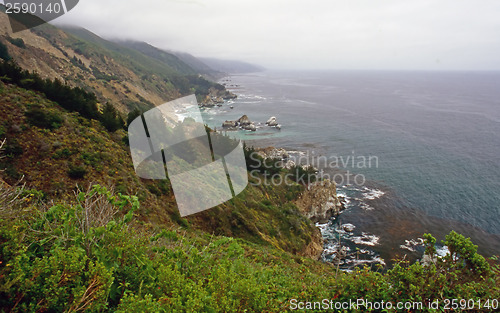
x=436 y=136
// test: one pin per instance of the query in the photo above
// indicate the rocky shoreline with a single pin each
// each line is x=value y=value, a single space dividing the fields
x=217 y=97
x=319 y=202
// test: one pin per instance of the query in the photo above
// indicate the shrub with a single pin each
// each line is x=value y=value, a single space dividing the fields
x=72 y=99
x=463 y=255
x=12 y=149
x=302 y=175
x=4 y=52
x=77 y=171
x=19 y=42
x=39 y=117
x=62 y=153
x=57 y=260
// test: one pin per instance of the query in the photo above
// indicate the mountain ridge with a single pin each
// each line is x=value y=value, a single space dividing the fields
x=232 y=66
x=196 y=66
x=125 y=77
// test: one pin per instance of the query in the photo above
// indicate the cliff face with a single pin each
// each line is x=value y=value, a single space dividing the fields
x=319 y=202
x=314 y=249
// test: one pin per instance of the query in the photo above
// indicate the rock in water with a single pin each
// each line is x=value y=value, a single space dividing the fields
x=250 y=127
x=244 y=121
x=319 y=202
x=348 y=227
x=229 y=95
x=271 y=120
x=229 y=124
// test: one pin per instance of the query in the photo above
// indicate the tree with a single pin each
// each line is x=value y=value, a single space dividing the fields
x=4 y=52
x=133 y=115
x=110 y=118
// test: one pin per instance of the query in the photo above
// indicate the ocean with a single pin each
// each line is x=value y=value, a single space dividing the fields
x=435 y=137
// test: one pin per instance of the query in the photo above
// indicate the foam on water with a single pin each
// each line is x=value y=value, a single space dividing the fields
x=412 y=244
x=366 y=239
x=372 y=194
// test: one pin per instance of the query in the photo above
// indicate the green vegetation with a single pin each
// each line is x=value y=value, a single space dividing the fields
x=132 y=115
x=102 y=76
x=72 y=99
x=145 y=60
x=160 y=55
x=88 y=44
x=76 y=171
x=129 y=76
x=4 y=52
x=91 y=255
x=256 y=163
x=78 y=63
x=40 y=117
x=111 y=119
x=201 y=86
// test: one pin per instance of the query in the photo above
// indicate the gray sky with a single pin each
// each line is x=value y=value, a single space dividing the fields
x=314 y=34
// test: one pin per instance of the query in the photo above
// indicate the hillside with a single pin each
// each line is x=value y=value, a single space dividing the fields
x=125 y=77
x=54 y=150
x=196 y=66
x=148 y=58
x=209 y=67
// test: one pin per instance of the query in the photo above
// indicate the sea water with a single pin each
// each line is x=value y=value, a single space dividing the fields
x=435 y=136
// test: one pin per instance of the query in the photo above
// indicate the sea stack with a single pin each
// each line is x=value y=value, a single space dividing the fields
x=272 y=121
x=244 y=121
